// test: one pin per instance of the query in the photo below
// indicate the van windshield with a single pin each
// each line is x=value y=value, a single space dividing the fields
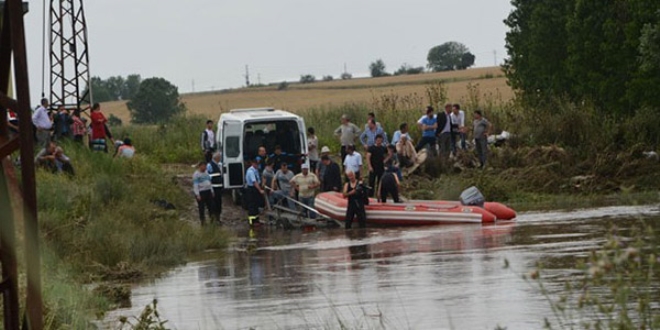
x=270 y=135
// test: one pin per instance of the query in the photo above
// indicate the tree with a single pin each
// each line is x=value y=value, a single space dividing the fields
x=346 y=76
x=377 y=69
x=131 y=86
x=408 y=69
x=449 y=56
x=585 y=50
x=307 y=79
x=156 y=101
x=328 y=78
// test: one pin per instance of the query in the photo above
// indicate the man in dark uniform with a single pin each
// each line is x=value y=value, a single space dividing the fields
x=214 y=168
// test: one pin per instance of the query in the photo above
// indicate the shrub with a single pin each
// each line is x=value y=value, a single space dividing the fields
x=307 y=79
x=346 y=76
x=283 y=86
x=328 y=78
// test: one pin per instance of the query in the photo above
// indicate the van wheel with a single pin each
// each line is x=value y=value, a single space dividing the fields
x=236 y=196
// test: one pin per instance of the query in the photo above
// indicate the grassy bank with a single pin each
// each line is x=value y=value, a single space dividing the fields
x=103 y=225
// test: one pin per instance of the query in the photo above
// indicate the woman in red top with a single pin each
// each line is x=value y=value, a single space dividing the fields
x=98 y=129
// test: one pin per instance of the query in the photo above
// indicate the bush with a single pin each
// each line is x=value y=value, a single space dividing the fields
x=346 y=76
x=114 y=120
x=307 y=79
x=328 y=78
x=283 y=86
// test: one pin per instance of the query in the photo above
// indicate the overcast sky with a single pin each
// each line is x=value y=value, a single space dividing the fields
x=210 y=41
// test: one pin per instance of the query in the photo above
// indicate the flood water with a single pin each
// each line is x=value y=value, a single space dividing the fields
x=441 y=277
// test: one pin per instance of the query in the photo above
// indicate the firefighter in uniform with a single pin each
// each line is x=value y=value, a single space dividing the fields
x=254 y=192
x=214 y=168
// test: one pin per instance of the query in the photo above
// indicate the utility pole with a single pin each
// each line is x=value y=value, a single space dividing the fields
x=344 y=67
x=259 y=78
x=247 y=76
x=495 y=57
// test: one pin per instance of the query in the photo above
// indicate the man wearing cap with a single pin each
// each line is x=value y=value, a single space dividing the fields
x=347 y=133
x=331 y=180
x=306 y=184
x=320 y=168
x=253 y=192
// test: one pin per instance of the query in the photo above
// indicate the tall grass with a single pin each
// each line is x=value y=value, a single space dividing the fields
x=102 y=224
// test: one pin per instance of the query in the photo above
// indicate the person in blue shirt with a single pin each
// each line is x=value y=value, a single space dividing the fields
x=368 y=137
x=253 y=192
x=214 y=169
x=403 y=130
x=428 y=125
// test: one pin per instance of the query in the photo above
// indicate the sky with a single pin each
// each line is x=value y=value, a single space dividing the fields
x=204 y=45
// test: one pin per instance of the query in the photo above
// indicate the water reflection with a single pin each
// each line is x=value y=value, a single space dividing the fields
x=401 y=278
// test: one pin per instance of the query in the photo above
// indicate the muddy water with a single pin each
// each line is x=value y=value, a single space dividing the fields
x=445 y=277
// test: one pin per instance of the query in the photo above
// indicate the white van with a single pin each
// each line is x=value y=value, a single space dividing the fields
x=242 y=131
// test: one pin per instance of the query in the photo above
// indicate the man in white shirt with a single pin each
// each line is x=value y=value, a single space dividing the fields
x=457 y=127
x=41 y=120
x=208 y=141
x=353 y=161
x=403 y=130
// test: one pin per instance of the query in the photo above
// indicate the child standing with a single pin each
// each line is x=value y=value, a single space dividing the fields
x=203 y=189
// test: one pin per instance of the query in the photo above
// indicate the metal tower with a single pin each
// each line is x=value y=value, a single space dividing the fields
x=69 y=57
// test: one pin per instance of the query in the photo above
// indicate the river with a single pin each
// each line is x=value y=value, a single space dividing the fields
x=441 y=277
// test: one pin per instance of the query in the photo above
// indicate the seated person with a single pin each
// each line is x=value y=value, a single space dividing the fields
x=406 y=152
x=278 y=157
x=53 y=158
x=126 y=149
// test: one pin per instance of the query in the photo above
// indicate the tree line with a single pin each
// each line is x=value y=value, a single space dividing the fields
x=448 y=56
x=603 y=52
x=150 y=101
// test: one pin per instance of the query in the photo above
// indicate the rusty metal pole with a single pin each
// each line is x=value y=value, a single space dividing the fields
x=34 y=304
x=7 y=228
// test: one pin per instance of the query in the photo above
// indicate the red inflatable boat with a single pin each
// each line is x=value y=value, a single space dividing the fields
x=415 y=212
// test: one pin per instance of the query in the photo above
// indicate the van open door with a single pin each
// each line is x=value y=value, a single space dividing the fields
x=232 y=139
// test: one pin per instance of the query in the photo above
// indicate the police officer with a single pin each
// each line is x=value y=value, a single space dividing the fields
x=214 y=168
x=254 y=192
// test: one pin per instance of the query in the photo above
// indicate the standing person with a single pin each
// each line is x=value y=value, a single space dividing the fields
x=368 y=137
x=347 y=133
x=203 y=189
x=43 y=124
x=481 y=131
x=282 y=185
x=306 y=184
x=267 y=177
x=390 y=185
x=403 y=130
x=253 y=193
x=262 y=157
x=458 y=127
x=376 y=163
x=208 y=141
x=313 y=149
x=443 y=132
x=428 y=125
x=78 y=127
x=99 y=131
x=320 y=169
x=214 y=168
x=62 y=124
x=331 y=180
x=354 y=191
x=12 y=122
x=353 y=161
x=371 y=116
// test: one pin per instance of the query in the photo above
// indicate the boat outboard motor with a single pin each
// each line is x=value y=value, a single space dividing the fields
x=473 y=197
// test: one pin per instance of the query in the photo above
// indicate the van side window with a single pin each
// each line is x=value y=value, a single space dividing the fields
x=232 y=147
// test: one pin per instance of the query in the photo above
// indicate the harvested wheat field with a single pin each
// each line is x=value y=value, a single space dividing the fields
x=297 y=97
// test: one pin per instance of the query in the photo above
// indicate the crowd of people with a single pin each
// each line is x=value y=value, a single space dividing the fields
x=270 y=181
x=52 y=126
